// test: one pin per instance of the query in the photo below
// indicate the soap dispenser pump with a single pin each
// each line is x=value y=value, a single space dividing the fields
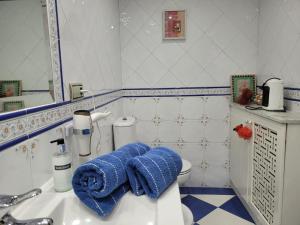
x=62 y=167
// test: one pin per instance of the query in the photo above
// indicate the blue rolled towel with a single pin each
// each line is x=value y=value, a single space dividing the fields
x=153 y=172
x=101 y=181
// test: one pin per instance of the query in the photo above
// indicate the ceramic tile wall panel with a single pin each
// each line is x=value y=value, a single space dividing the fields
x=221 y=40
x=15 y=172
x=196 y=127
x=29 y=164
x=279 y=45
x=90 y=54
x=90 y=40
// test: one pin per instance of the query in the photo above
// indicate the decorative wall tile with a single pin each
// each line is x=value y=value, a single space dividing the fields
x=188 y=125
x=177 y=92
x=26 y=125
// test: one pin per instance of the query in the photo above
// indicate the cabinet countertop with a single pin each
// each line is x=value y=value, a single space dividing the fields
x=288 y=117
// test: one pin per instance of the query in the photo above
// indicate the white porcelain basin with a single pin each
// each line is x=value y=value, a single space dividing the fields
x=66 y=209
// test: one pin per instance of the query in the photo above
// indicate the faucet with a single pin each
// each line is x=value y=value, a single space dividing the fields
x=8 y=219
x=11 y=200
x=7 y=201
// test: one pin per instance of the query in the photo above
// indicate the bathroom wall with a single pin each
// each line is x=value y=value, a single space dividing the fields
x=179 y=90
x=279 y=46
x=90 y=40
x=86 y=58
x=24 y=50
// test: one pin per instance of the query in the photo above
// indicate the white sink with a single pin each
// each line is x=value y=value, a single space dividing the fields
x=66 y=209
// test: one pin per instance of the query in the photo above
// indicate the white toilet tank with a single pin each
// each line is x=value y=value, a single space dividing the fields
x=124 y=131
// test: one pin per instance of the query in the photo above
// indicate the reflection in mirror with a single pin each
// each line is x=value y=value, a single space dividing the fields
x=26 y=77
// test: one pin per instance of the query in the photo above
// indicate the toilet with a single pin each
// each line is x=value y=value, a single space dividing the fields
x=187 y=215
x=124 y=130
x=182 y=178
x=185 y=173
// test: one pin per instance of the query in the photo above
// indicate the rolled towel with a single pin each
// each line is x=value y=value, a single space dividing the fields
x=153 y=172
x=103 y=206
x=100 y=181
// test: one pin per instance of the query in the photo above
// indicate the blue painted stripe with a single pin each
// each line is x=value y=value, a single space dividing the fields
x=45 y=107
x=7 y=116
x=45 y=129
x=292 y=99
x=292 y=88
x=55 y=105
x=59 y=50
x=13 y=142
x=100 y=106
x=34 y=91
x=206 y=191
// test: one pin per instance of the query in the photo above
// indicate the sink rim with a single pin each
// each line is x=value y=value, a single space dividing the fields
x=167 y=207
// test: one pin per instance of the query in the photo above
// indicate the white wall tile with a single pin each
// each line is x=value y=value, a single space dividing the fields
x=279 y=42
x=90 y=44
x=90 y=54
x=15 y=173
x=211 y=28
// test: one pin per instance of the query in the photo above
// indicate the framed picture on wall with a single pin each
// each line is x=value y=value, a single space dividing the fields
x=13 y=106
x=10 y=88
x=243 y=85
x=174 y=23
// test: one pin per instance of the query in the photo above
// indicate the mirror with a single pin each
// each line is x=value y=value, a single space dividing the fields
x=30 y=73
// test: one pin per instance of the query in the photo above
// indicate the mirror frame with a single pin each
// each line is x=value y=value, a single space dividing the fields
x=55 y=49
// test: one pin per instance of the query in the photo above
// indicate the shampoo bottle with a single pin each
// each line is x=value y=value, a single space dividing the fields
x=62 y=167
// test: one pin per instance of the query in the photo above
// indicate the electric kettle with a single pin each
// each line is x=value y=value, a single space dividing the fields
x=273 y=95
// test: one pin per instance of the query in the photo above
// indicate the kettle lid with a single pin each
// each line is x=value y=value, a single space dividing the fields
x=273 y=80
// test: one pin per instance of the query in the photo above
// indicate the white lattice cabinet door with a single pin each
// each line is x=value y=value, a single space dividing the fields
x=267 y=175
x=267 y=167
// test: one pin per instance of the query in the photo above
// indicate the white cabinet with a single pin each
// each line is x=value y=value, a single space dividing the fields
x=239 y=154
x=264 y=170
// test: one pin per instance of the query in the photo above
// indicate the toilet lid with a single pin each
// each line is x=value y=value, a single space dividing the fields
x=186 y=167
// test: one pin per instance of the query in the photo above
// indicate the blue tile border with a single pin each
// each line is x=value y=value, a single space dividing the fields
x=175 y=88
x=206 y=191
x=110 y=96
x=13 y=142
x=7 y=116
x=45 y=129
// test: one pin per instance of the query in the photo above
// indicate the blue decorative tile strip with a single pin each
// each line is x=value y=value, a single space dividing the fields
x=292 y=94
x=177 y=92
x=18 y=126
x=206 y=191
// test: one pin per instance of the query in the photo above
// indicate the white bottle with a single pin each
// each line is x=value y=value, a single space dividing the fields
x=62 y=167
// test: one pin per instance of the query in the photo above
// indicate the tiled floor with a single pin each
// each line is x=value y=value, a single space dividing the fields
x=215 y=206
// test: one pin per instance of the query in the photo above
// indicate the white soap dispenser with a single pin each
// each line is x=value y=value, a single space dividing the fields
x=62 y=167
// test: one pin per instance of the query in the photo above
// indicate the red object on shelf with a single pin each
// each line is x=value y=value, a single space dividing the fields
x=243 y=131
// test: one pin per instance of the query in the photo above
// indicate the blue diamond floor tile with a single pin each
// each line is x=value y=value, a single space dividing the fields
x=235 y=207
x=199 y=208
